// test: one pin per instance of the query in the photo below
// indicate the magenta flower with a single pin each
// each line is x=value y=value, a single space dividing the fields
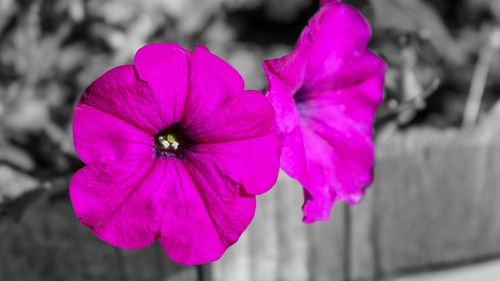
x=175 y=151
x=325 y=94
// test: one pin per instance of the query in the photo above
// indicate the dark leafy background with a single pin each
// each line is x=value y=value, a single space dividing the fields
x=51 y=50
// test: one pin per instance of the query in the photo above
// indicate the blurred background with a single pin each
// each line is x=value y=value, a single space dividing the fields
x=431 y=214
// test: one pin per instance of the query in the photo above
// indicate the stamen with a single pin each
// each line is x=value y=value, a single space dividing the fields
x=167 y=142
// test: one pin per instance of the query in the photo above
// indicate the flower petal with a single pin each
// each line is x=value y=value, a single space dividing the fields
x=204 y=215
x=293 y=156
x=320 y=193
x=117 y=201
x=336 y=33
x=253 y=162
x=288 y=124
x=165 y=68
x=101 y=137
x=353 y=107
x=341 y=124
x=218 y=108
x=287 y=116
x=290 y=69
x=151 y=96
x=346 y=167
x=352 y=71
x=330 y=178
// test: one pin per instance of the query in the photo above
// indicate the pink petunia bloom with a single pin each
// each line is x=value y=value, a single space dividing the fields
x=325 y=94
x=176 y=151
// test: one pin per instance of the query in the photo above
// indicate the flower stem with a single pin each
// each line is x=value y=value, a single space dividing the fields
x=204 y=272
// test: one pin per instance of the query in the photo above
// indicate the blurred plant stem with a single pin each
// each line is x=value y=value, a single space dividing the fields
x=479 y=78
x=204 y=272
x=411 y=104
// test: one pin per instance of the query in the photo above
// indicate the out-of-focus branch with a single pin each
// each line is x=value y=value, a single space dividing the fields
x=479 y=78
x=412 y=103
